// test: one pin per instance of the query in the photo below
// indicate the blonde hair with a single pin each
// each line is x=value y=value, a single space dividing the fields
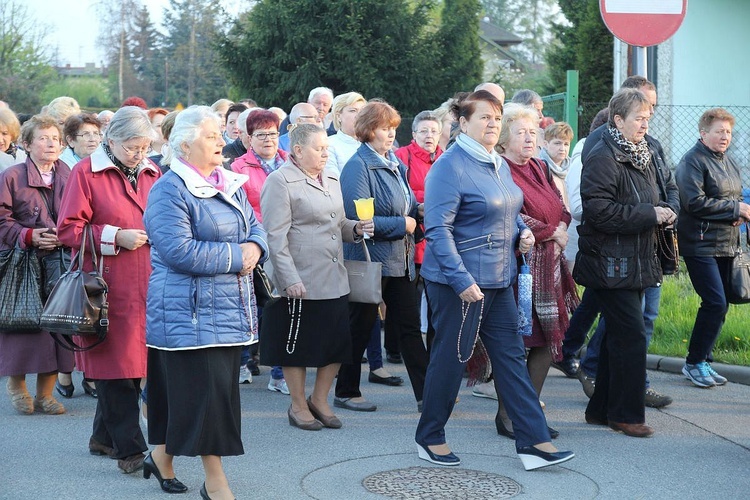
x=558 y=130
x=61 y=108
x=511 y=113
x=341 y=102
x=9 y=120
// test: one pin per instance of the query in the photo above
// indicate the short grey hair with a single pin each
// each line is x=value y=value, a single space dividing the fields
x=319 y=90
x=624 y=101
x=424 y=116
x=527 y=97
x=511 y=113
x=186 y=128
x=130 y=122
x=301 y=134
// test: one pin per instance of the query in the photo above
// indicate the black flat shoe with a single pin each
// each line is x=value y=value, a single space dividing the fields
x=392 y=380
x=534 y=458
x=88 y=389
x=426 y=454
x=65 y=391
x=168 y=485
x=204 y=493
x=553 y=433
x=502 y=429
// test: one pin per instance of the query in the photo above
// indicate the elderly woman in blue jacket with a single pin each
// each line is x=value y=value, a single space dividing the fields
x=375 y=172
x=473 y=227
x=205 y=242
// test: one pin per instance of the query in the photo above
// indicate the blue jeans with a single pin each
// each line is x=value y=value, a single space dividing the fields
x=499 y=332
x=650 y=308
x=708 y=276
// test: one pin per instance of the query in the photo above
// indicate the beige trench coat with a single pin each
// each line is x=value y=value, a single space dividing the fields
x=306 y=228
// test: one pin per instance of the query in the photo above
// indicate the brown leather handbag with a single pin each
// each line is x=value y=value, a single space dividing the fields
x=78 y=304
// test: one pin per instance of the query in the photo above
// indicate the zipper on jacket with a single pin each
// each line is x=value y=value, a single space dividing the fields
x=194 y=301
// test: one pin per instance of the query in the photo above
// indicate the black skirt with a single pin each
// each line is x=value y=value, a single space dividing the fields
x=194 y=401
x=322 y=339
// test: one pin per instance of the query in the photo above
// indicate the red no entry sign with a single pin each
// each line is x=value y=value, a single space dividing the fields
x=643 y=22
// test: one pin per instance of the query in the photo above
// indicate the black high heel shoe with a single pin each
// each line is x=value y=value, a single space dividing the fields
x=204 y=493
x=502 y=429
x=91 y=391
x=65 y=391
x=168 y=485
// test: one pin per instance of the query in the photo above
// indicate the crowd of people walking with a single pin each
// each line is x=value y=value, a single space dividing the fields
x=223 y=234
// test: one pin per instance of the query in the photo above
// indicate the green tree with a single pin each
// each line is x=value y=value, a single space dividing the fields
x=279 y=50
x=531 y=20
x=190 y=48
x=24 y=67
x=584 y=44
x=458 y=39
x=116 y=29
x=146 y=58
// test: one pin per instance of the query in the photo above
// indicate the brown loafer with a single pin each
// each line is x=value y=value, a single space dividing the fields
x=634 y=430
x=131 y=464
x=332 y=421
x=97 y=448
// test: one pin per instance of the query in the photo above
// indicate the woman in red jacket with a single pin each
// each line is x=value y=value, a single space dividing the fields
x=108 y=191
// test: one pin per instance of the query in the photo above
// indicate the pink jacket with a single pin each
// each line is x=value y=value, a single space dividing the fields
x=247 y=164
x=99 y=194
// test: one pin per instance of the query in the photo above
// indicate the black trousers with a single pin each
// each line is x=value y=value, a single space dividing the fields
x=621 y=377
x=402 y=317
x=116 y=421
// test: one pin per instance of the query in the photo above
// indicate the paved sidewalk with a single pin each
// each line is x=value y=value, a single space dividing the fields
x=701 y=449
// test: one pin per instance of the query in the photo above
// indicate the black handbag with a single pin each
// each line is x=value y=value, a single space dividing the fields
x=263 y=287
x=738 y=280
x=78 y=304
x=667 y=250
x=20 y=290
x=54 y=265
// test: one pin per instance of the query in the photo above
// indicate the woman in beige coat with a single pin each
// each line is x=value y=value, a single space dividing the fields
x=306 y=226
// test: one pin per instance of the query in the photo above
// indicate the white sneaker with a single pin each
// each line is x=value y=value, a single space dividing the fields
x=485 y=390
x=245 y=376
x=278 y=386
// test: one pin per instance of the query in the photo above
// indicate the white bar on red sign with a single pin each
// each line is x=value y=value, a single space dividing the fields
x=643 y=6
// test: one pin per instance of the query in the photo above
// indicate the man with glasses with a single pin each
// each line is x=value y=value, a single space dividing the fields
x=302 y=112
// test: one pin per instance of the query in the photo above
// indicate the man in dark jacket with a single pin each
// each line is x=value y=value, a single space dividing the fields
x=575 y=337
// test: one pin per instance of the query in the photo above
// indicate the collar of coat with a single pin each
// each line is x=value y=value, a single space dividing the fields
x=199 y=187
x=292 y=173
x=100 y=161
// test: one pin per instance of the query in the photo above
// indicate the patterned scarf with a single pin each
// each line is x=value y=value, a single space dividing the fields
x=639 y=153
x=130 y=173
x=12 y=150
x=265 y=164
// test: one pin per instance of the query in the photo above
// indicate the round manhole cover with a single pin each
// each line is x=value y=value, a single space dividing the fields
x=434 y=483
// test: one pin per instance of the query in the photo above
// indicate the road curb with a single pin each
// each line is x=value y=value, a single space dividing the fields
x=733 y=373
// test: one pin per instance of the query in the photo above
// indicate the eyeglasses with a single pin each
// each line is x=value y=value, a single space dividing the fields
x=136 y=152
x=266 y=135
x=90 y=135
x=426 y=132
